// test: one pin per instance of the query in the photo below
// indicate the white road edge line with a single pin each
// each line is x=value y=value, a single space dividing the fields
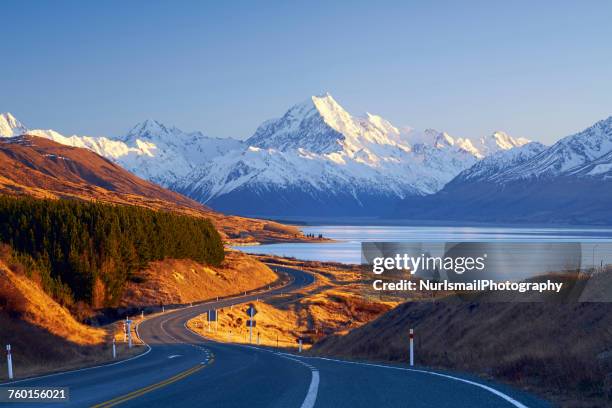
x=416 y=370
x=313 y=388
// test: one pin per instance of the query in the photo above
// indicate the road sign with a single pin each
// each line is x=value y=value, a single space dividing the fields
x=251 y=311
x=251 y=323
x=212 y=315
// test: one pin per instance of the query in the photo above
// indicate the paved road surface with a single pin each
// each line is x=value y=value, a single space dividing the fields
x=183 y=370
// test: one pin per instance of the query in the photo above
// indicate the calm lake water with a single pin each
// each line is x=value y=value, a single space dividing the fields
x=347 y=248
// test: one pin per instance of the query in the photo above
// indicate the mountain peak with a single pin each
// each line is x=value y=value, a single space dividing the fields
x=317 y=125
x=500 y=140
x=10 y=126
x=149 y=128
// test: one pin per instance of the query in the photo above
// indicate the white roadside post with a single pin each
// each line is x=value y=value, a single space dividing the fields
x=142 y=314
x=129 y=332
x=9 y=361
x=114 y=349
x=300 y=345
x=411 y=348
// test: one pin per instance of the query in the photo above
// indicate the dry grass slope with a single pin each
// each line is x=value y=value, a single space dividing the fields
x=44 y=335
x=183 y=281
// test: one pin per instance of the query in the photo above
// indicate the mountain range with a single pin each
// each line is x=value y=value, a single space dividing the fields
x=568 y=182
x=316 y=159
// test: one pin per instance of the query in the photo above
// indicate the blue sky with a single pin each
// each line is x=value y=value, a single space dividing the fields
x=537 y=69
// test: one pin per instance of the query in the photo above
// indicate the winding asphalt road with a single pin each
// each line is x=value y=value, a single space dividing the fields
x=181 y=369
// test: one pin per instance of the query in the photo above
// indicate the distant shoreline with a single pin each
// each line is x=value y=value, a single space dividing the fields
x=307 y=221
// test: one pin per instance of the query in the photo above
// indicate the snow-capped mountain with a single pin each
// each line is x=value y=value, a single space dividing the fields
x=319 y=159
x=150 y=150
x=567 y=154
x=9 y=126
x=568 y=182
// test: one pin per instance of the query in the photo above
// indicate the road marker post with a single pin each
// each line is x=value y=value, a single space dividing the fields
x=9 y=361
x=300 y=345
x=129 y=332
x=411 y=348
x=114 y=350
x=142 y=314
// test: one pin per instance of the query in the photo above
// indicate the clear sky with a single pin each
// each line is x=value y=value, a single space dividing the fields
x=540 y=69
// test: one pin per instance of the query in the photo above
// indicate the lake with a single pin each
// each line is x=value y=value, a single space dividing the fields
x=348 y=239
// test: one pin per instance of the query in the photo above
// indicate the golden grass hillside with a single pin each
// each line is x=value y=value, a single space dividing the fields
x=44 y=335
x=183 y=281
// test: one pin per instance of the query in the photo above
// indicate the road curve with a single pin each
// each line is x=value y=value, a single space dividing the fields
x=182 y=369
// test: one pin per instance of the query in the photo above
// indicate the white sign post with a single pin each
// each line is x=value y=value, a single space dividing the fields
x=114 y=349
x=411 y=348
x=9 y=361
x=251 y=312
x=300 y=347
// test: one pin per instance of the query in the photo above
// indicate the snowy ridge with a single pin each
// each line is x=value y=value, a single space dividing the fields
x=491 y=167
x=567 y=155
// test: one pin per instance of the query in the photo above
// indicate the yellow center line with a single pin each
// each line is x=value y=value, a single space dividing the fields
x=134 y=394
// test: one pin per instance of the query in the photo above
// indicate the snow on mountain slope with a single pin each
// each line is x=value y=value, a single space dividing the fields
x=566 y=183
x=150 y=150
x=567 y=154
x=318 y=151
x=9 y=126
x=489 y=168
x=597 y=169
